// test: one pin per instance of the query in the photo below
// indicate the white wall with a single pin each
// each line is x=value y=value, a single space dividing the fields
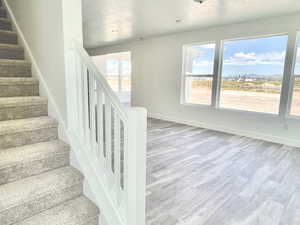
x=41 y=22
x=156 y=74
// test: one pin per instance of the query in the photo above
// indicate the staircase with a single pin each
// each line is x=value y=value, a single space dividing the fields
x=37 y=184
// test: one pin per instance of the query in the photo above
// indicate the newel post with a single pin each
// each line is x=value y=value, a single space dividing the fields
x=135 y=184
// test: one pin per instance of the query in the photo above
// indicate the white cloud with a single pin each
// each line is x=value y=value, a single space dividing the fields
x=252 y=58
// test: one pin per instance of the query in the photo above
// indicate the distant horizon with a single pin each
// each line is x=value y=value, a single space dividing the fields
x=262 y=57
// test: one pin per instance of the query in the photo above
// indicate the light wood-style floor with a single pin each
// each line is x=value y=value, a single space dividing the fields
x=202 y=177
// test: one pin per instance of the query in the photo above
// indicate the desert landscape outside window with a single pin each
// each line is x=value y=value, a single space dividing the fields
x=252 y=74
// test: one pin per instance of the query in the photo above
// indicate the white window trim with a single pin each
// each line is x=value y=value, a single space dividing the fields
x=120 y=69
x=287 y=82
x=184 y=75
x=294 y=48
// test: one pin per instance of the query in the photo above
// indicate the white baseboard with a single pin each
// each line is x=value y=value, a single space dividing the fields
x=53 y=110
x=260 y=136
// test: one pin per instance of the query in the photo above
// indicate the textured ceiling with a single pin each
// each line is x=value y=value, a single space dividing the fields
x=107 y=22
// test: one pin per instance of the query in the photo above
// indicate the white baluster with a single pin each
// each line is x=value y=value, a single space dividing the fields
x=100 y=123
x=92 y=93
x=117 y=159
x=108 y=137
x=85 y=103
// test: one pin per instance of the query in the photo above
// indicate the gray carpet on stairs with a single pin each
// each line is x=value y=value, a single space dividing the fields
x=37 y=184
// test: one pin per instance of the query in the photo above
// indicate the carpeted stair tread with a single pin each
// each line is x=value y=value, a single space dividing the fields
x=7 y=36
x=8 y=32
x=15 y=68
x=18 y=86
x=28 y=160
x=15 y=126
x=78 y=211
x=7 y=102
x=5 y=24
x=5 y=19
x=11 y=46
x=11 y=156
x=14 y=62
x=3 y=13
x=18 y=81
x=27 y=197
x=11 y=51
x=14 y=108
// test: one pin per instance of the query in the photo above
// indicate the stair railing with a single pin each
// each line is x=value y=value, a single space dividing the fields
x=112 y=136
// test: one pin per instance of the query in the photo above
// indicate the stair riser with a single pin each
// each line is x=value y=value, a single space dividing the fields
x=8 y=38
x=5 y=25
x=31 y=168
x=15 y=70
x=11 y=54
x=28 y=209
x=19 y=90
x=23 y=112
x=28 y=137
x=3 y=13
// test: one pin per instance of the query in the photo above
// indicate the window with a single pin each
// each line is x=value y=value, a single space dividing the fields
x=296 y=94
x=116 y=68
x=198 y=73
x=252 y=74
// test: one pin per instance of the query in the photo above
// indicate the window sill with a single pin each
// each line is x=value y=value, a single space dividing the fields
x=237 y=111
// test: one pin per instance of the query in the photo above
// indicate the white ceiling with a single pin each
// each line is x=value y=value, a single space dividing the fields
x=107 y=22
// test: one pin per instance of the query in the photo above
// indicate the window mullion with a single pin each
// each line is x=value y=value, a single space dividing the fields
x=217 y=74
x=287 y=83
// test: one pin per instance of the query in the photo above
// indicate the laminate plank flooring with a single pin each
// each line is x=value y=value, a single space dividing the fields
x=197 y=176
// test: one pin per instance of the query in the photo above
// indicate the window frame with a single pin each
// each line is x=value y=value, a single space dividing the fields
x=223 y=41
x=120 y=67
x=184 y=76
x=292 y=83
x=287 y=81
x=120 y=70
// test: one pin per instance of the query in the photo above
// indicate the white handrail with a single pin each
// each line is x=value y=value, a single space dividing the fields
x=113 y=138
x=106 y=87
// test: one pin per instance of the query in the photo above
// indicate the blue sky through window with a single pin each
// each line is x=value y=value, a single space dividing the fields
x=261 y=56
x=202 y=57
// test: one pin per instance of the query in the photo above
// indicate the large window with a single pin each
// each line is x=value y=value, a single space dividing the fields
x=198 y=73
x=116 y=68
x=295 y=110
x=252 y=74
x=244 y=74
